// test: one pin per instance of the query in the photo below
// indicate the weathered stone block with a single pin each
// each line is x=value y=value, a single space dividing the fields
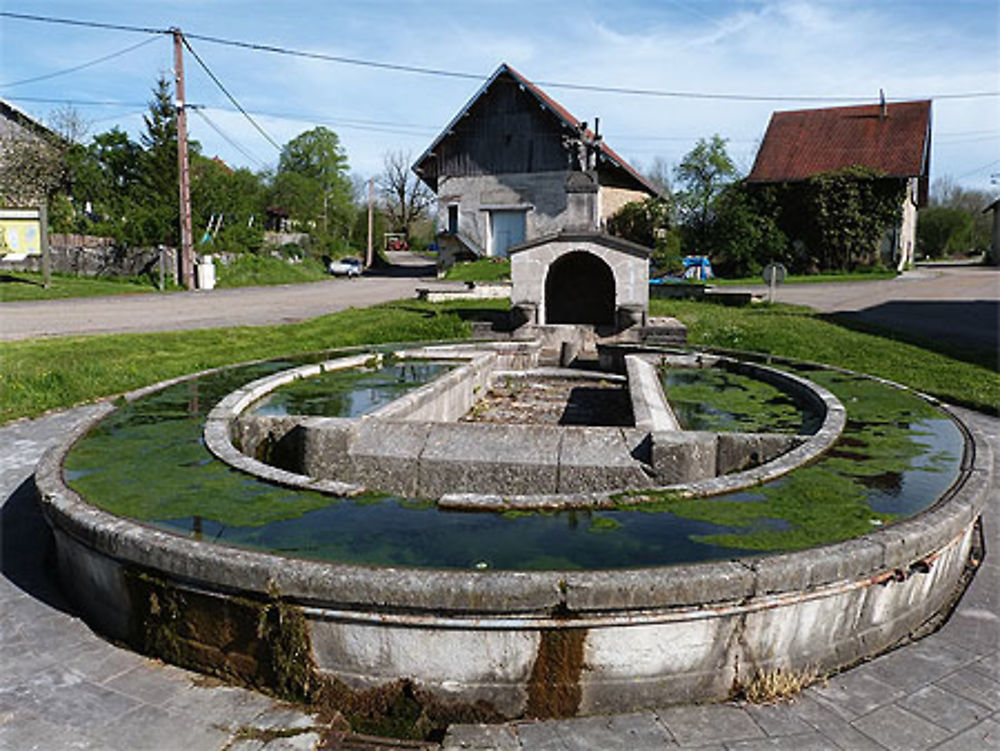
x=386 y=455
x=484 y=458
x=683 y=456
x=594 y=459
x=325 y=446
x=740 y=451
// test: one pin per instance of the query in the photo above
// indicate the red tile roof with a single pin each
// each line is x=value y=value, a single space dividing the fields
x=803 y=143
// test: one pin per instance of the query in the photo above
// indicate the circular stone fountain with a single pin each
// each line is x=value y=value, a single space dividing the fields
x=400 y=538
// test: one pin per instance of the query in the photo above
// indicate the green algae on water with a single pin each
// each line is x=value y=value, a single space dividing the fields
x=719 y=399
x=891 y=435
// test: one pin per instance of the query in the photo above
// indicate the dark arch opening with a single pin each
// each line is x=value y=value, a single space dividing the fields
x=580 y=288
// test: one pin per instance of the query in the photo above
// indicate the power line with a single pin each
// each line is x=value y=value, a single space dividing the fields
x=80 y=102
x=81 y=66
x=439 y=72
x=228 y=95
x=87 y=24
x=198 y=111
x=986 y=166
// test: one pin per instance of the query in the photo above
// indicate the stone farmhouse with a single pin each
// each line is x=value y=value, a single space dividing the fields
x=23 y=142
x=503 y=167
x=893 y=139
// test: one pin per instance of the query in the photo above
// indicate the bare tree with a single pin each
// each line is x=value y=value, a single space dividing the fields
x=658 y=174
x=406 y=198
x=69 y=123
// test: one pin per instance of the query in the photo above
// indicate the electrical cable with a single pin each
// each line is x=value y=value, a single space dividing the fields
x=401 y=68
x=87 y=24
x=75 y=68
x=80 y=102
x=198 y=111
x=228 y=95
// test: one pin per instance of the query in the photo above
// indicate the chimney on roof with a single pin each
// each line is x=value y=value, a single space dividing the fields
x=884 y=111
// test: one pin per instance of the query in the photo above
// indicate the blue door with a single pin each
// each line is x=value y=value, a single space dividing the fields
x=506 y=230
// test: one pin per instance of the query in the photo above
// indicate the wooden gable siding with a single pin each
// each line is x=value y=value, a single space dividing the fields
x=505 y=131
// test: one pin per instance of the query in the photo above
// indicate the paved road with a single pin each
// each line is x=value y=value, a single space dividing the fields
x=244 y=306
x=63 y=687
x=957 y=304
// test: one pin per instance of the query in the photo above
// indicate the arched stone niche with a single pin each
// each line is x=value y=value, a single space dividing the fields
x=580 y=277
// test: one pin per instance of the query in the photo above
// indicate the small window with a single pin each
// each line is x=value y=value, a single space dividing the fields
x=453 y=219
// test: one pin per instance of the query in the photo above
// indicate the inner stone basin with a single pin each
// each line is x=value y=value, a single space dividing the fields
x=497 y=431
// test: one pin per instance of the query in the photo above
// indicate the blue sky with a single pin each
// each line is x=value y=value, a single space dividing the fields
x=794 y=48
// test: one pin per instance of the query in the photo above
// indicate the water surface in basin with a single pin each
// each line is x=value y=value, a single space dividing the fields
x=147 y=461
x=352 y=392
x=719 y=399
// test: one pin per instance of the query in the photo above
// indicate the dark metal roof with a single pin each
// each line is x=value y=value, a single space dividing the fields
x=550 y=105
x=802 y=143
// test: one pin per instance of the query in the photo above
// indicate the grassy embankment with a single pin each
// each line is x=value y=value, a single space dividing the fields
x=244 y=271
x=483 y=270
x=17 y=286
x=44 y=374
x=847 y=276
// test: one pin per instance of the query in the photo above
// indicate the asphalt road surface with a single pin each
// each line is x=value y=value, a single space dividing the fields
x=244 y=306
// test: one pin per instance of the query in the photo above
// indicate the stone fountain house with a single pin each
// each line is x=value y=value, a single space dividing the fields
x=516 y=175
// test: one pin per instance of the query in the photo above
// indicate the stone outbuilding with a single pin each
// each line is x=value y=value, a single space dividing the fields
x=892 y=139
x=502 y=170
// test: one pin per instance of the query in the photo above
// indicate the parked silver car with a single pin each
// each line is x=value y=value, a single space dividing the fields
x=345 y=267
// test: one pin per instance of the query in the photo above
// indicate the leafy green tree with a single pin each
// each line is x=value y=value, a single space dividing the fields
x=641 y=221
x=313 y=185
x=648 y=223
x=238 y=196
x=744 y=235
x=954 y=222
x=945 y=231
x=702 y=175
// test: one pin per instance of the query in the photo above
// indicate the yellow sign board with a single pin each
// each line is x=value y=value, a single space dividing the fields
x=20 y=233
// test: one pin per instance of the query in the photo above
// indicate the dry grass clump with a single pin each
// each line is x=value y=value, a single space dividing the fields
x=780 y=684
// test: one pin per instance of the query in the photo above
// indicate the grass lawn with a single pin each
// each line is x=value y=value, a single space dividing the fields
x=856 y=276
x=245 y=271
x=26 y=285
x=42 y=374
x=482 y=270
x=798 y=332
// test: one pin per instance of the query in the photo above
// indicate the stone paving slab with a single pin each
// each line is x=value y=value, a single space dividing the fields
x=62 y=687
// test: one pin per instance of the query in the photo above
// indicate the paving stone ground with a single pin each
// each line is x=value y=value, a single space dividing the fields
x=63 y=687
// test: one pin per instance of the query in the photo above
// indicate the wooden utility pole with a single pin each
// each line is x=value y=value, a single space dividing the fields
x=371 y=221
x=187 y=254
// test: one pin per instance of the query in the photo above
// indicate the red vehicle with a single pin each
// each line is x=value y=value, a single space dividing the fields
x=396 y=241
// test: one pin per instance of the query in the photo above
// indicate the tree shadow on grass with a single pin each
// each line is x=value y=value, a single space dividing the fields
x=985 y=356
x=964 y=330
x=11 y=279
